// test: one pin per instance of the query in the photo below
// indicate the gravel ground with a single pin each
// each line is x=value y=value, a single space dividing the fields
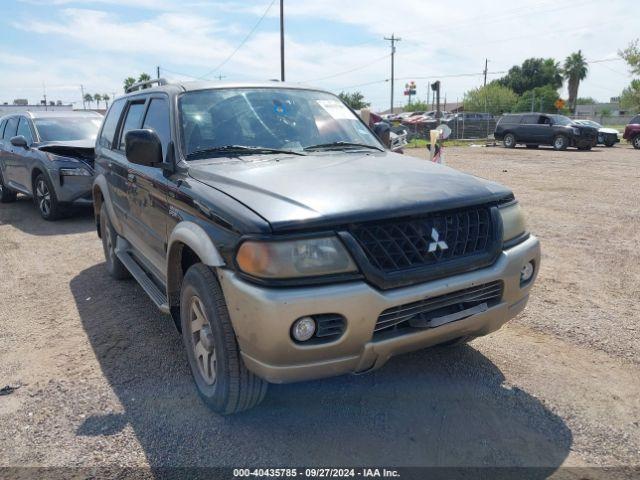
x=104 y=382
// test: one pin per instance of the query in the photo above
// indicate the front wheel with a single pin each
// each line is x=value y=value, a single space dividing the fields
x=509 y=140
x=636 y=142
x=223 y=381
x=45 y=198
x=560 y=142
x=114 y=266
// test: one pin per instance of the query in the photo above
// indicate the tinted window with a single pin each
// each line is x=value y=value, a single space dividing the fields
x=529 y=119
x=132 y=121
x=509 y=119
x=157 y=119
x=635 y=119
x=111 y=123
x=25 y=130
x=11 y=128
x=66 y=129
x=2 y=125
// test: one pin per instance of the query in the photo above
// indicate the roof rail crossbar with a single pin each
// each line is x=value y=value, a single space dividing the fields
x=145 y=84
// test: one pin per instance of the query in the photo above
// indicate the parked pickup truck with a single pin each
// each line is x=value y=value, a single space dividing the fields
x=288 y=244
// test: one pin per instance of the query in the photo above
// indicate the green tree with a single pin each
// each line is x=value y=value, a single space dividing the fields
x=98 y=98
x=534 y=72
x=630 y=97
x=586 y=101
x=418 y=106
x=88 y=99
x=494 y=98
x=355 y=100
x=575 y=70
x=540 y=99
x=128 y=82
x=106 y=99
x=144 y=77
x=631 y=55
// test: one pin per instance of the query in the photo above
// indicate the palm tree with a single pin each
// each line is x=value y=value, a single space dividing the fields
x=106 y=99
x=88 y=98
x=128 y=82
x=575 y=70
x=144 y=77
x=98 y=98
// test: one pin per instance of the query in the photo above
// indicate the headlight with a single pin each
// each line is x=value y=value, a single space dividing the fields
x=513 y=223
x=75 y=172
x=297 y=258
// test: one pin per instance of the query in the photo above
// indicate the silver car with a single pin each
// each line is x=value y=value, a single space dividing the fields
x=49 y=157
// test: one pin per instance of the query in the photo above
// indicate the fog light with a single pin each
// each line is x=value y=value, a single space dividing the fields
x=526 y=273
x=303 y=329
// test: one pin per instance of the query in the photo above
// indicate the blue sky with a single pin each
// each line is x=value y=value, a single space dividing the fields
x=57 y=45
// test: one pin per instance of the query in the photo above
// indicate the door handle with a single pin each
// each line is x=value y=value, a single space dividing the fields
x=131 y=177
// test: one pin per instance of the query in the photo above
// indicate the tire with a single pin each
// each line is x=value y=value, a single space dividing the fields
x=609 y=144
x=636 y=142
x=560 y=142
x=6 y=195
x=114 y=266
x=509 y=141
x=44 y=197
x=532 y=146
x=223 y=381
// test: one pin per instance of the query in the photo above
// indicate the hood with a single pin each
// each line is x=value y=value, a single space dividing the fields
x=294 y=192
x=608 y=130
x=79 y=149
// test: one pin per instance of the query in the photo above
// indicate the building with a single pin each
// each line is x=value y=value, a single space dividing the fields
x=6 y=109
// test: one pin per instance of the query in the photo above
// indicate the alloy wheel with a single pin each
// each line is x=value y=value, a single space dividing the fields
x=202 y=341
x=43 y=196
x=559 y=143
x=636 y=141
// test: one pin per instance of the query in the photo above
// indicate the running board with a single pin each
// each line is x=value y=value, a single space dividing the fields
x=143 y=279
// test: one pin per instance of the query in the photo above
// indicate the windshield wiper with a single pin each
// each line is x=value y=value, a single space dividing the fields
x=341 y=146
x=242 y=149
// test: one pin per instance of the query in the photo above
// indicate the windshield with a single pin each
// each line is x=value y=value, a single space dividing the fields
x=591 y=123
x=65 y=129
x=561 y=120
x=275 y=118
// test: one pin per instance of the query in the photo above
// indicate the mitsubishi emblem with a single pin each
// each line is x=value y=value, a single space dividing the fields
x=437 y=243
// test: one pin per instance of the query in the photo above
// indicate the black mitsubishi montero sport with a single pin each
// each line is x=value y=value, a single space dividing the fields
x=535 y=129
x=289 y=244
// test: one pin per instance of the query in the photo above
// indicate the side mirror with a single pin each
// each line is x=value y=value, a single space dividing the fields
x=19 y=141
x=143 y=147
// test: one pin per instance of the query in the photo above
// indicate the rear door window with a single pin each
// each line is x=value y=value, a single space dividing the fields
x=530 y=119
x=132 y=121
x=11 y=128
x=111 y=124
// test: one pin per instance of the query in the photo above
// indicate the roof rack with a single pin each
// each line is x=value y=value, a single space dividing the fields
x=145 y=84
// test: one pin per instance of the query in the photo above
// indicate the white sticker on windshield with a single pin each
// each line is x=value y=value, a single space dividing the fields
x=336 y=109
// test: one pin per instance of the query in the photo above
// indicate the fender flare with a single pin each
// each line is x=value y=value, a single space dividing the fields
x=196 y=238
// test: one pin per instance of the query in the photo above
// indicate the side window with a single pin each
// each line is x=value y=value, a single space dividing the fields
x=25 y=130
x=157 y=119
x=132 y=120
x=635 y=119
x=2 y=125
x=529 y=119
x=544 y=120
x=11 y=128
x=111 y=123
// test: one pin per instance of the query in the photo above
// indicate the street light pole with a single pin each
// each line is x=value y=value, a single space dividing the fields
x=282 y=40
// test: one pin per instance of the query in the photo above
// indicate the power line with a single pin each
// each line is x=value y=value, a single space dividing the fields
x=345 y=72
x=244 y=40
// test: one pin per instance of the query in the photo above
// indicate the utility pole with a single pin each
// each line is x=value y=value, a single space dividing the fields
x=282 y=40
x=220 y=76
x=486 y=64
x=393 y=41
x=84 y=104
x=158 y=71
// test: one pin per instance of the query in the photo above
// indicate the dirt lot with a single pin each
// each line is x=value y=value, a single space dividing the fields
x=104 y=381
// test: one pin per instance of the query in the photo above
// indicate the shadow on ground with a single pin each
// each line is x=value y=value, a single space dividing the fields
x=24 y=215
x=435 y=407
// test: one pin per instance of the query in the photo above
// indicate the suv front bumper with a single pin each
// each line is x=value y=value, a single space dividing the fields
x=262 y=318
